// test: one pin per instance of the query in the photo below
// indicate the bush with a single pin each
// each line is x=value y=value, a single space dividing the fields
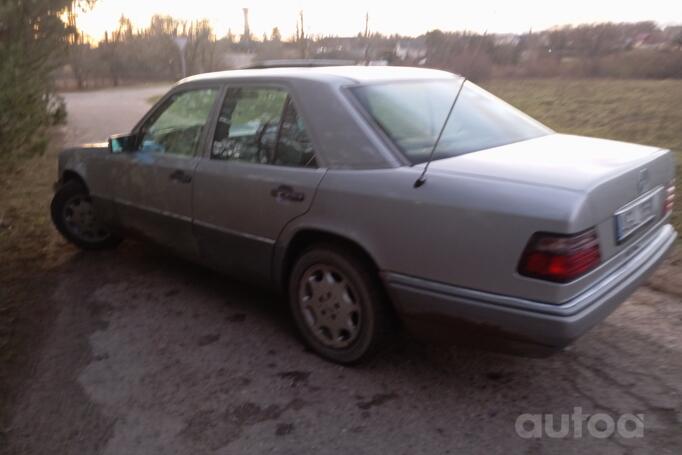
x=642 y=64
x=473 y=65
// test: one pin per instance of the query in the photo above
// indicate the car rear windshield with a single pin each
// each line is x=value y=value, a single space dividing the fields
x=412 y=115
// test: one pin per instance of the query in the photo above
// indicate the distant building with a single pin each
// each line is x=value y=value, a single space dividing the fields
x=648 y=41
x=235 y=60
x=412 y=50
x=506 y=39
x=350 y=47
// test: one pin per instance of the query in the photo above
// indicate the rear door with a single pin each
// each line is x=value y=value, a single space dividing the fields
x=260 y=173
x=153 y=184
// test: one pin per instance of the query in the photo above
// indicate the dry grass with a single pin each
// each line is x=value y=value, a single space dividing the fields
x=645 y=112
x=27 y=247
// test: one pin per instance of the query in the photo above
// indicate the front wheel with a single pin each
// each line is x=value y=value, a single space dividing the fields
x=338 y=304
x=73 y=216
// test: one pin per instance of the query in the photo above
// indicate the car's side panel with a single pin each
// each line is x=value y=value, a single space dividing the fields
x=151 y=202
x=468 y=232
x=240 y=210
x=91 y=164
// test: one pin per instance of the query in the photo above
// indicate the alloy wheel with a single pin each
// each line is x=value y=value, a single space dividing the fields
x=330 y=306
x=79 y=219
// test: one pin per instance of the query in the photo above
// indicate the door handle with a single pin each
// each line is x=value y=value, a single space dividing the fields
x=287 y=193
x=180 y=176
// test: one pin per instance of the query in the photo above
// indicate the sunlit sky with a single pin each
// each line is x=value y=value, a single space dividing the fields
x=346 y=17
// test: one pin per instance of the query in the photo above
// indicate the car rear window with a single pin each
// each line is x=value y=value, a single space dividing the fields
x=412 y=114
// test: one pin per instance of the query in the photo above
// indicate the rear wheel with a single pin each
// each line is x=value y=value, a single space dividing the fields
x=338 y=304
x=74 y=217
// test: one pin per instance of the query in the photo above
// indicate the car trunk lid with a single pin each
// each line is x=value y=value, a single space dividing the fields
x=611 y=175
x=557 y=160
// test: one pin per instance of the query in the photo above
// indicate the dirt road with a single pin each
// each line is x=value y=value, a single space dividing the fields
x=147 y=354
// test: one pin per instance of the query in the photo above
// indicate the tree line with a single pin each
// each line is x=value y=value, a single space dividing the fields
x=41 y=46
x=149 y=54
x=627 y=50
x=639 y=50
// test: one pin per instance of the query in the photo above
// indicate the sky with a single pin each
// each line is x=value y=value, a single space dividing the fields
x=347 y=17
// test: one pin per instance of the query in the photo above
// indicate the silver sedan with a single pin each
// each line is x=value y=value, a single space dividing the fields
x=377 y=195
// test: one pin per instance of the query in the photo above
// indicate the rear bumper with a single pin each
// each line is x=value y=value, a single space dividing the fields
x=518 y=325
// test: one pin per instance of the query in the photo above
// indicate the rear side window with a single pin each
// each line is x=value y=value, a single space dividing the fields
x=412 y=114
x=293 y=147
x=261 y=125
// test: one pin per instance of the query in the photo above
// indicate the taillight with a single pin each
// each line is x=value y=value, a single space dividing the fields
x=560 y=258
x=669 y=200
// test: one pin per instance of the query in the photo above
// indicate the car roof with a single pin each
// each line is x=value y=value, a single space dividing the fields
x=347 y=74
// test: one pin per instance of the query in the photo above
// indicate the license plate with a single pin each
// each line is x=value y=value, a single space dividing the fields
x=635 y=215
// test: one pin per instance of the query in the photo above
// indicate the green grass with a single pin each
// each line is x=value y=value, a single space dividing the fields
x=153 y=99
x=644 y=112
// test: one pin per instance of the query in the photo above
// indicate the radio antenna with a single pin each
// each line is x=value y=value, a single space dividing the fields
x=422 y=178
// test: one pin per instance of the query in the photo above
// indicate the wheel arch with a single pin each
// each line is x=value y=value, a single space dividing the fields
x=302 y=239
x=69 y=175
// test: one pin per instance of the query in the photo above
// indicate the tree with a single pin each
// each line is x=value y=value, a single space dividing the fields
x=275 y=36
x=678 y=41
x=78 y=52
x=112 y=49
x=35 y=35
x=201 y=46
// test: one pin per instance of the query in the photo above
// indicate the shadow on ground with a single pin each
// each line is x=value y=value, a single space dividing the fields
x=151 y=354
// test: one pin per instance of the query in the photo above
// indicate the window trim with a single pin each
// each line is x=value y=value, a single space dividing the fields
x=287 y=103
x=291 y=98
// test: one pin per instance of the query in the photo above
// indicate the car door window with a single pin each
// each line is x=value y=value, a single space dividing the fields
x=176 y=128
x=261 y=125
x=293 y=146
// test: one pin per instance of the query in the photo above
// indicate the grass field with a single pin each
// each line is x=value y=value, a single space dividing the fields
x=644 y=112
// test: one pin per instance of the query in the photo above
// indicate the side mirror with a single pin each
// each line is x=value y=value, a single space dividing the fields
x=119 y=143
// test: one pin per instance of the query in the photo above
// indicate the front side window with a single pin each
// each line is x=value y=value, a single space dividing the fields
x=412 y=115
x=177 y=126
x=261 y=125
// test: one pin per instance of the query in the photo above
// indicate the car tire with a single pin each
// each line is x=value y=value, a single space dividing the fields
x=338 y=304
x=72 y=215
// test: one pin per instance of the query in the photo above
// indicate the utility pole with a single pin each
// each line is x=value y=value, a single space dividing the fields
x=302 y=35
x=246 y=37
x=367 y=38
x=181 y=42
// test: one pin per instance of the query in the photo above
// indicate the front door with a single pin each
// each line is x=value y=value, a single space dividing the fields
x=153 y=187
x=261 y=173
